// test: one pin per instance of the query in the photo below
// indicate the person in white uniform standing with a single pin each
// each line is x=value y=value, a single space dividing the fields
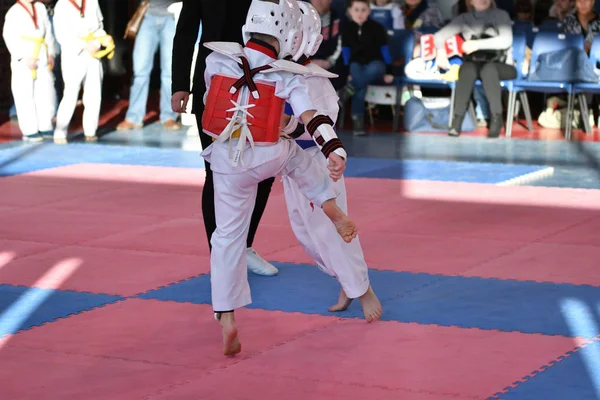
x=313 y=229
x=247 y=88
x=78 y=25
x=28 y=36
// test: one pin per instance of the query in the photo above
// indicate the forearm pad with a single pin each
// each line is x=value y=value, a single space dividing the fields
x=321 y=129
x=294 y=129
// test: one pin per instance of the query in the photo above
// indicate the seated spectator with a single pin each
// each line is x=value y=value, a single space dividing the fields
x=328 y=55
x=365 y=50
x=560 y=9
x=419 y=14
x=486 y=53
x=524 y=10
x=392 y=17
x=584 y=21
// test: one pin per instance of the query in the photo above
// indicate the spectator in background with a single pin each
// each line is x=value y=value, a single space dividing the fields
x=523 y=10
x=420 y=15
x=560 y=9
x=584 y=21
x=157 y=30
x=365 y=50
x=328 y=55
x=396 y=18
x=488 y=38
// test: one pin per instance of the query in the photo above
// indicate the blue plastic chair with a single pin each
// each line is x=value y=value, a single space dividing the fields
x=546 y=42
x=550 y=26
x=580 y=89
x=384 y=17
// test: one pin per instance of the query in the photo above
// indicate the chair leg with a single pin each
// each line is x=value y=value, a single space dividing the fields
x=341 y=117
x=585 y=113
x=397 y=107
x=568 y=122
x=527 y=110
x=452 y=95
x=472 y=113
x=510 y=113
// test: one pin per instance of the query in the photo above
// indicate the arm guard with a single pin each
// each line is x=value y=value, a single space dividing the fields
x=321 y=129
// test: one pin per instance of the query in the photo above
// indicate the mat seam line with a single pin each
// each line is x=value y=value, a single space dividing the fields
x=545 y=367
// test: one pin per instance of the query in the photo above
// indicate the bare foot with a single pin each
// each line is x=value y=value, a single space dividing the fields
x=371 y=305
x=342 y=304
x=231 y=342
x=344 y=225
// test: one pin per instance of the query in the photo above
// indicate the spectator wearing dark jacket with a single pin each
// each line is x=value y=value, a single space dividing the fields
x=365 y=51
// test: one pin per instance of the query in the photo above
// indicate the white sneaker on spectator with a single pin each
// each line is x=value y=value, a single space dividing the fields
x=258 y=265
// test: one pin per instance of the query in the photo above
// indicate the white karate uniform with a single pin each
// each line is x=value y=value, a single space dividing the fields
x=236 y=186
x=35 y=99
x=78 y=66
x=313 y=229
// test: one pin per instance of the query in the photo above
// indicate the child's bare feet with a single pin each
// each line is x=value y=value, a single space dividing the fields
x=344 y=225
x=231 y=342
x=371 y=305
x=342 y=304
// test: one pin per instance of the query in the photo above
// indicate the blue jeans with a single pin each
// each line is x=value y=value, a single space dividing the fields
x=482 y=107
x=364 y=75
x=155 y=30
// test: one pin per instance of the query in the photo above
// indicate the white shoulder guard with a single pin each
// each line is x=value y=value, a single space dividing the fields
x=287 y=66
x=230 y=49
x=315 y=70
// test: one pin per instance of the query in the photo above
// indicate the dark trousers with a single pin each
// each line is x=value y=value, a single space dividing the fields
x=490 y=74
x=208 y=194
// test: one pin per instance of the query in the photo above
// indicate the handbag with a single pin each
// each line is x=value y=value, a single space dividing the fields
x=485 y=56
x=133 y=26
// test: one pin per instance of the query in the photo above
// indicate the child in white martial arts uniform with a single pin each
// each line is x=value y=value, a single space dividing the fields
x=247 y=88
x=79 y=31
x=28 y=36
x=313 y=229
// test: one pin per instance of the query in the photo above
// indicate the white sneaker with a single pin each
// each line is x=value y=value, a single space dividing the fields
x=258 y=265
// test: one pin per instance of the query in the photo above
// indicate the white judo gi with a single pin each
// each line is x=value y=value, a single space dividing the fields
x=313 y=229
x=33 y=92
x=72 y=25
x=235 y=186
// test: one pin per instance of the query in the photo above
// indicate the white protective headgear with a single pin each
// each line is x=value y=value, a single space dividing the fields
x=311 y=29
x=281 y=20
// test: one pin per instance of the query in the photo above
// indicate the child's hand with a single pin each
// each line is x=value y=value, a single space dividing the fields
x=388 y=78
x=337 y=166
x=92 y=47
x=31 y=62
x=470 y=46
x=50 y=63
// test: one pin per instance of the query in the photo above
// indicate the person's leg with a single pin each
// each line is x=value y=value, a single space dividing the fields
x=256 y=263
x=314 y=183
x=362 y=77
x=167 y=34
x=491 y=74
x=144 y=49
x=92 y=97
x=22 y=86
x=45 y=100
x=482 y=108
x=234 y=201
x=341 y=260
x=467 y=75
x=73 y=72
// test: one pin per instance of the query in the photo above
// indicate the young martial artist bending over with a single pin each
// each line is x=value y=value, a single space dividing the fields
x=247 y=88
x=313 y=229
x=28 y=36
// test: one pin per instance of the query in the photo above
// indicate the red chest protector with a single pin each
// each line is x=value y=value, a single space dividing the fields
x=267 y=110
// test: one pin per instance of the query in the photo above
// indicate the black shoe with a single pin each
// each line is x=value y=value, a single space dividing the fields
x=454 y=129
x=345 y=94
x=495 y=127
x=358 y=125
